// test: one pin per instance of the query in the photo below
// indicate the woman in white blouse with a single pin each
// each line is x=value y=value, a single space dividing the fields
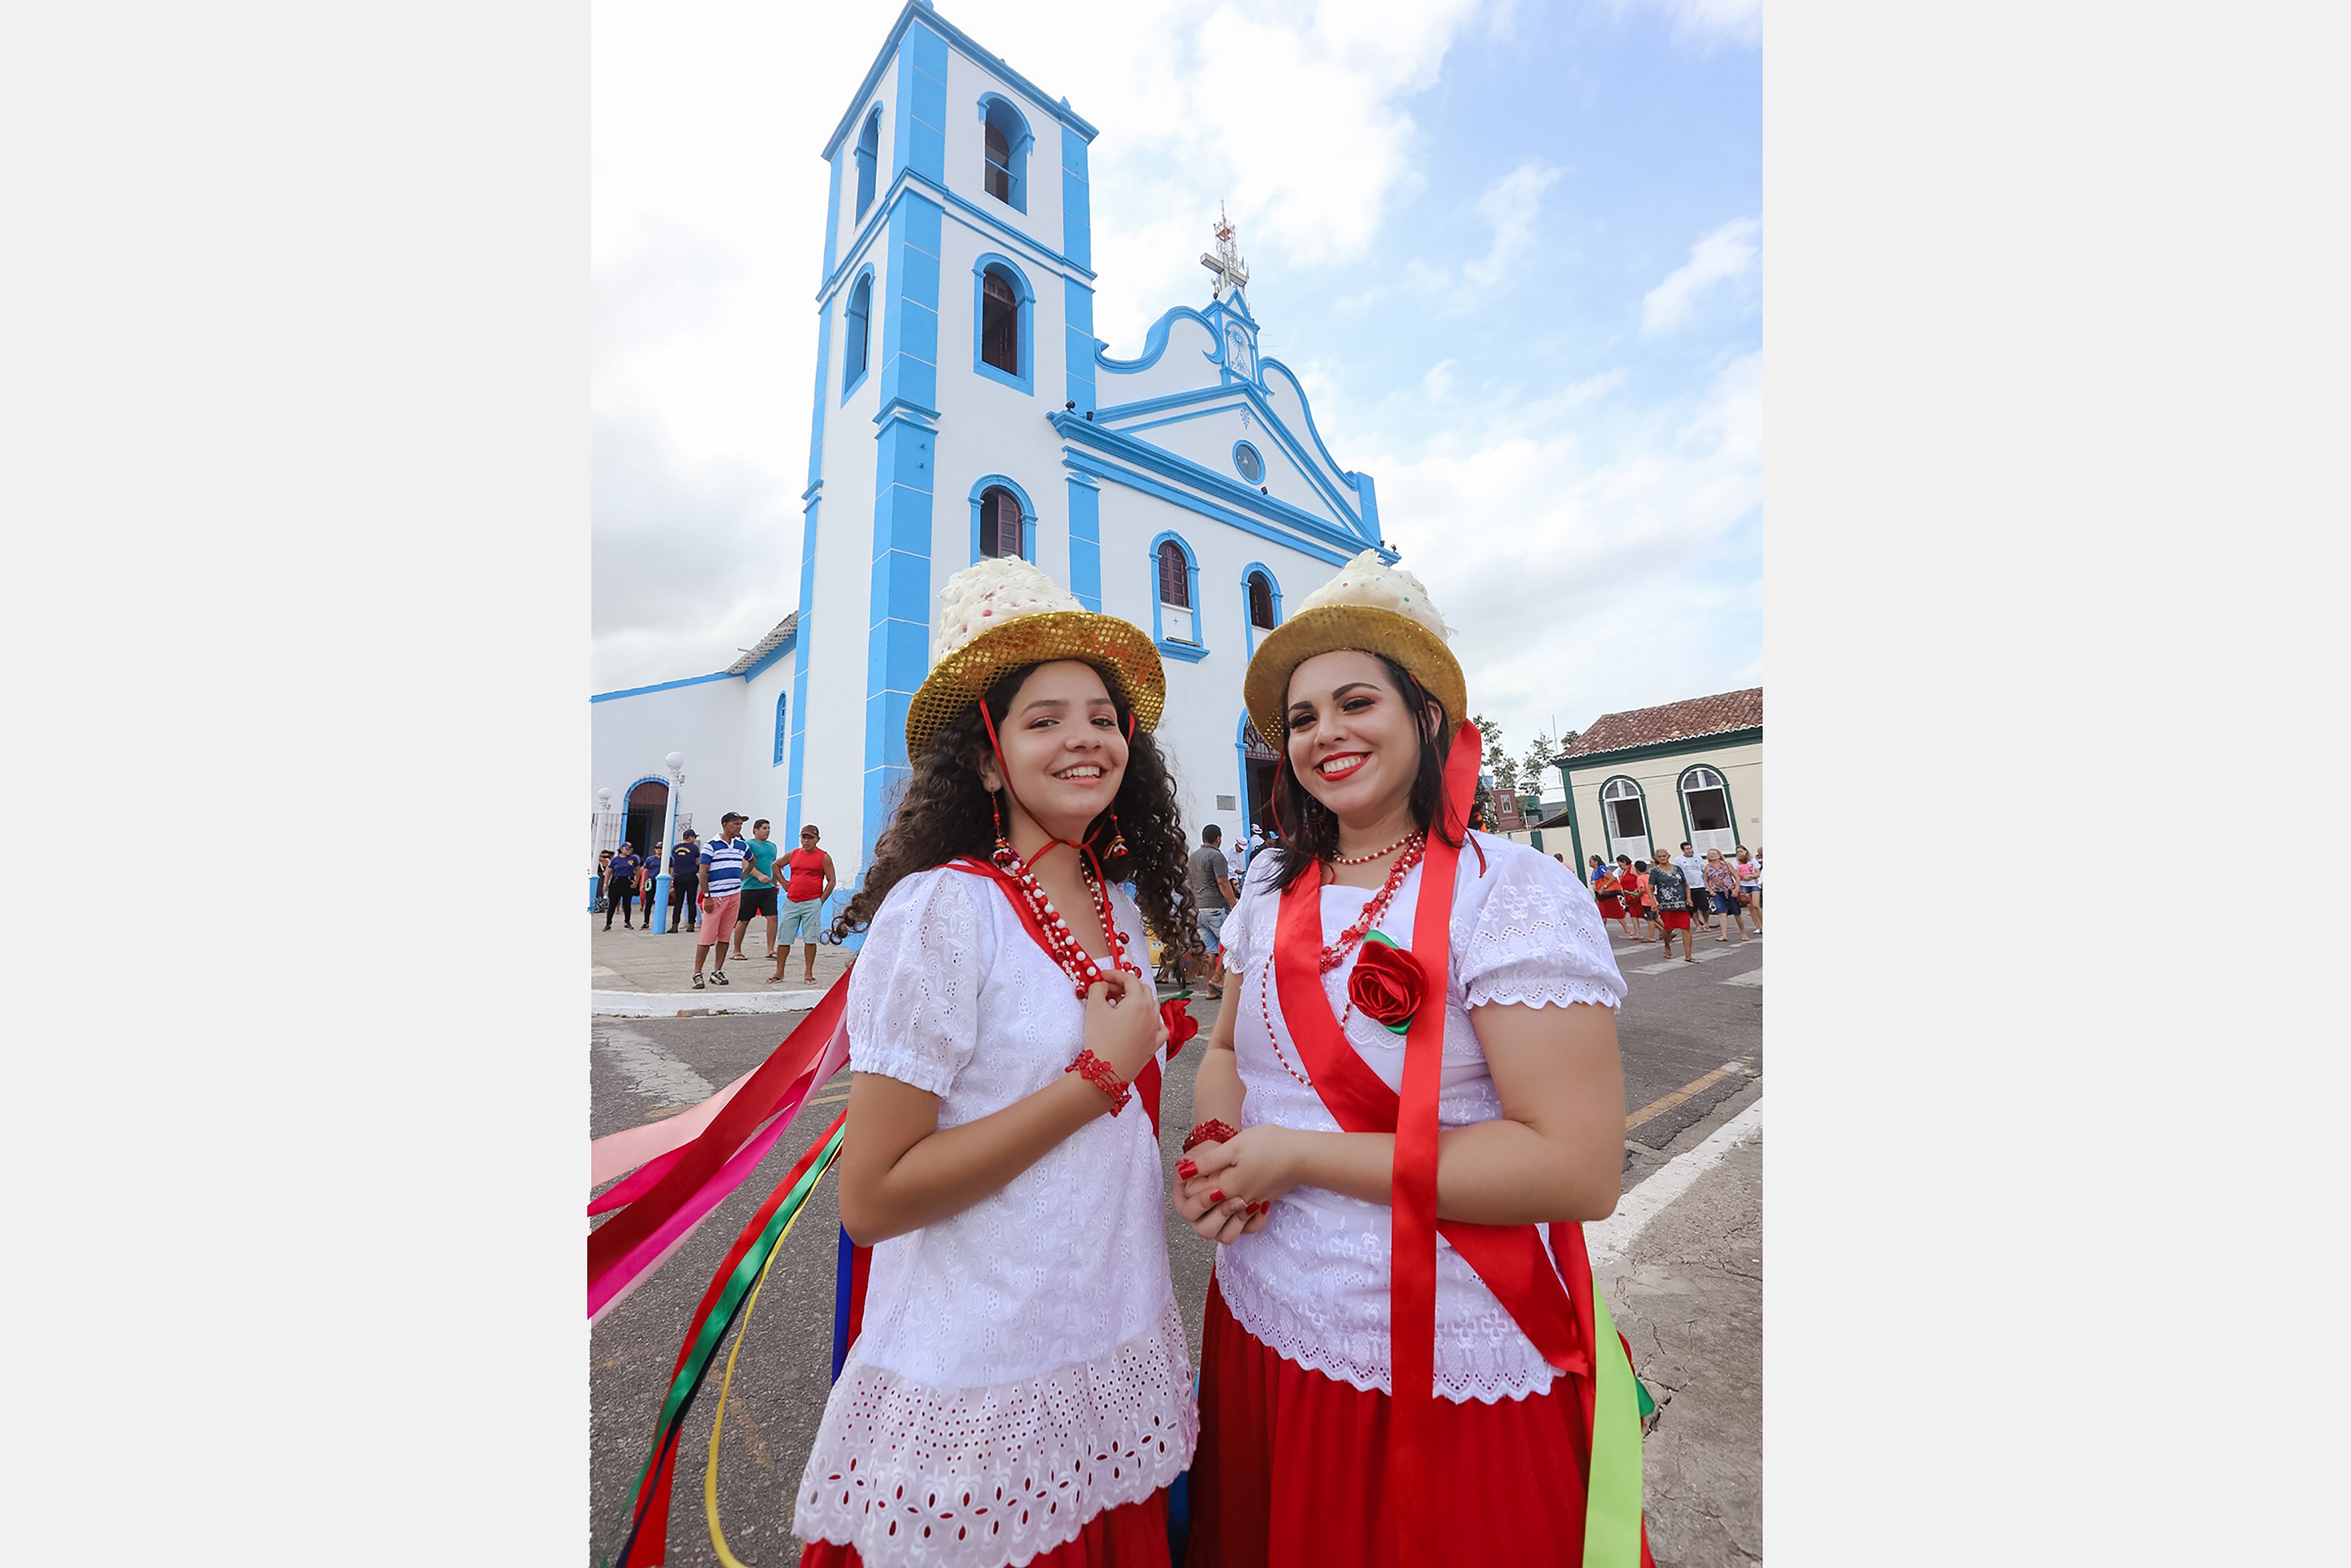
x=1019 y=1389
x=1403 y=1105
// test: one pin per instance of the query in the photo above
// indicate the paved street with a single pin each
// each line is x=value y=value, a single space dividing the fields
x=1686 y=1289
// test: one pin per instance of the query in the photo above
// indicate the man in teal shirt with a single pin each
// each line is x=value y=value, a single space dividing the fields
x=758 y=885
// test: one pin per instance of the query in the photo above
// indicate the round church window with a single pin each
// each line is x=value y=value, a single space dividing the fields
x=1246 y=459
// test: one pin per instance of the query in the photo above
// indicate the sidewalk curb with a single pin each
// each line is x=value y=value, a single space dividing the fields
x=1607 y=1240
x=715 y=999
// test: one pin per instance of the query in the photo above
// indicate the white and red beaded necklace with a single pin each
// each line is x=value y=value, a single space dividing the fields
x=1336 y=953
x=1064 y=948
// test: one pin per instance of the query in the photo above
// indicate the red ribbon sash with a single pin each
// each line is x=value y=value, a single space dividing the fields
x=1508 y=1259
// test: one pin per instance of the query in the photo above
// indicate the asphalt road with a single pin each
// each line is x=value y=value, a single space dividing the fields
x=1681 y=1028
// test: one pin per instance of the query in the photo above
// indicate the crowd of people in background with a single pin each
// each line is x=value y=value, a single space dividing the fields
x=1649 y=902
x=718 y=887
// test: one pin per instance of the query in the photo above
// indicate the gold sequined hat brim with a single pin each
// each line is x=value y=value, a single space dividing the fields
x=1120 y=649
x=1265 y=689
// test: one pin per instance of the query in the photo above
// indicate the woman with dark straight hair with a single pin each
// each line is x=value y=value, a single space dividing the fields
x=1421 y=1043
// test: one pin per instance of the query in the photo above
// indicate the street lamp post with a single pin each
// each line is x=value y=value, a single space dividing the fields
x=676 y=761
x=595 y=882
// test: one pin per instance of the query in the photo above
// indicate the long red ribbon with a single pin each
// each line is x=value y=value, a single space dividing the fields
x=609 y=1244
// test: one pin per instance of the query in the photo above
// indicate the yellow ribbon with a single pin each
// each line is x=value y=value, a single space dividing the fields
x=718 y=1421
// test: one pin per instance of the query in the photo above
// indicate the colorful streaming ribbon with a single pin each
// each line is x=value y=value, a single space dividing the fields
x=645 y=1543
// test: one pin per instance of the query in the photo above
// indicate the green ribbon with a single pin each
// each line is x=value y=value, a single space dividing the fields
x=1612 y=1515
x=697 y=1365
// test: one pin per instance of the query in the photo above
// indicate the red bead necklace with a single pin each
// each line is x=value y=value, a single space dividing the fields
x=1073 y=959
x=1336 y=953
x=1366 y=860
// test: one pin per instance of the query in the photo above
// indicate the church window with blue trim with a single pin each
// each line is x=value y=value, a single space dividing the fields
x=1174 y=577
x=1004 y=151
x=780 y=732
x=1251 y=466
x=1000 y=323
x=869 y=155
x=858 y=347
x=999 y=522
x=1261 y=603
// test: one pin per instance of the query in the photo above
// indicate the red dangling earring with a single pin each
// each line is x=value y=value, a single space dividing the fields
x=1004 y=853
x=1117 y=838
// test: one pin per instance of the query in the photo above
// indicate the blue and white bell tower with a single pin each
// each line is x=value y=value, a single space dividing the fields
x=962 y=408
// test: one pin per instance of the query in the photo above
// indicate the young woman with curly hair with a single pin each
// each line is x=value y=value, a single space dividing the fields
x=1019 y=1389
x=1421 y=1048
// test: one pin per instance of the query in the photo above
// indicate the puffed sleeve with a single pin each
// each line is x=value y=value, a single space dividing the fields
x=913 y=996
x=1535 y=937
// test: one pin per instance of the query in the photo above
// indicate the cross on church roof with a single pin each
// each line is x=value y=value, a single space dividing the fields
x=1231 y=272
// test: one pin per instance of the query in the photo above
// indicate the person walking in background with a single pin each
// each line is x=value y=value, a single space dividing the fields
x=721 y=892
x=648 y=881
x=1214 y=896
x=1609 y=893
x=683 y=863
x=1722 y=890
x=1749 y=872
x=1671 y=891
x=1634 y=876
x=808 y=881
x=1692 y=866
x=604 y=882
x=759 y=886
x=622 y=888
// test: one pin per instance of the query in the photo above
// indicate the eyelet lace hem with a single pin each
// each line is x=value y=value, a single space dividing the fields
x=981 y=1478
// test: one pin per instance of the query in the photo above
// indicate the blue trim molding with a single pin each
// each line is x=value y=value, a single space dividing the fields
x=1273 y=585
x=1196 y=649
x=1024 y=311
x=1078 y=344
x=1239 y=500
x=783 y=735
x=800 y=672
x=921 y=143
x=663 y=687
x=1096 y=467
x=1028 y=515
x=1077 y=202
x=1085 y=541
x=910 y=317
x=866 y=161
x=766 y=661
x=934 y=28
x=1005 y=115
x=898 y=636
x=1242 y=468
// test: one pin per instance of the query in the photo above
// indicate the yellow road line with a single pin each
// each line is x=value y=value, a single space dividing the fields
x=1655 y=1108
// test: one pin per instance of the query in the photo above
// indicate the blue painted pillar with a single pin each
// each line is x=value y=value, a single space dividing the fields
x=660 y=921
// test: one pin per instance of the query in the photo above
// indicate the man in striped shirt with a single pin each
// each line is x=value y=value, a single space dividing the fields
x=721 y=896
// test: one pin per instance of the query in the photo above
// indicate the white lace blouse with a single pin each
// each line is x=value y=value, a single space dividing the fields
x=1021 y=1366
x=1313 y=1284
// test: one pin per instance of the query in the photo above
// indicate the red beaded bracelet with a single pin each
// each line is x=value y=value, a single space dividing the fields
x=1209 y=1132
x=1098 y=1072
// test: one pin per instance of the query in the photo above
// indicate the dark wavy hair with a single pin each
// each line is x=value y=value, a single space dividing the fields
x=942 y=812
x=1310 y=830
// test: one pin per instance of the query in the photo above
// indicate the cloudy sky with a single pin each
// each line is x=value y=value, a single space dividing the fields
x=1513 y=249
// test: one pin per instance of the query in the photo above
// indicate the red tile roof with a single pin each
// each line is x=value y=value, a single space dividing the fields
x=1693 y=719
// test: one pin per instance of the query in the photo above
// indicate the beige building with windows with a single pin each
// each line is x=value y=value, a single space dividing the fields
x=1650 y=778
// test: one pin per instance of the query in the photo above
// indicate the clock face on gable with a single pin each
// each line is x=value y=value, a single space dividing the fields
x=1236 y=352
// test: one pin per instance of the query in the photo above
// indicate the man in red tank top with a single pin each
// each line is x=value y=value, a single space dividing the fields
x=808 y=882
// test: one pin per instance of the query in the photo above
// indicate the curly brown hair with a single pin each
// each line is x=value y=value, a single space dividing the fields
x=942 y=811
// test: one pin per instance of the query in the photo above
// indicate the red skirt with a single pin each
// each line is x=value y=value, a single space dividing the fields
x=1291 y=1469
x=1675 y=920
x=1611 y=907
x=1131 y=1535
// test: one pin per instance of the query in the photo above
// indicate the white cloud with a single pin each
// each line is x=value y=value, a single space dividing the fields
x=1511 y=207
x=1711 y=22
x=1611 y=562
x=1438 y=382
x=1725 y=257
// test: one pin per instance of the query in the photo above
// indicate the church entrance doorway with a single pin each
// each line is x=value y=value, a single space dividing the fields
x=648 y=811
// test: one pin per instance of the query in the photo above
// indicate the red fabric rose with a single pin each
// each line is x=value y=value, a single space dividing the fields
x=1386 y=984
x=1180 y=1024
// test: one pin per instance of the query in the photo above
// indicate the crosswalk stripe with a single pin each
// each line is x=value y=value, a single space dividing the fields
x=1753 y=977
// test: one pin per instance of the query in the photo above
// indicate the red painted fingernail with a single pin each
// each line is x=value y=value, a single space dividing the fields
x=1216 y=1196
x=1188 y=1169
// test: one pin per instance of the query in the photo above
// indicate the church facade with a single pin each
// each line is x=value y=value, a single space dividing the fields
x=963 y=407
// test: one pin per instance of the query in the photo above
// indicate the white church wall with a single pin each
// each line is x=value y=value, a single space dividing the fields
x=765 y=768
x=1186 y=360
x=630 y=736
x=966 y=151
x=1287 y=398
x=1208 y=440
